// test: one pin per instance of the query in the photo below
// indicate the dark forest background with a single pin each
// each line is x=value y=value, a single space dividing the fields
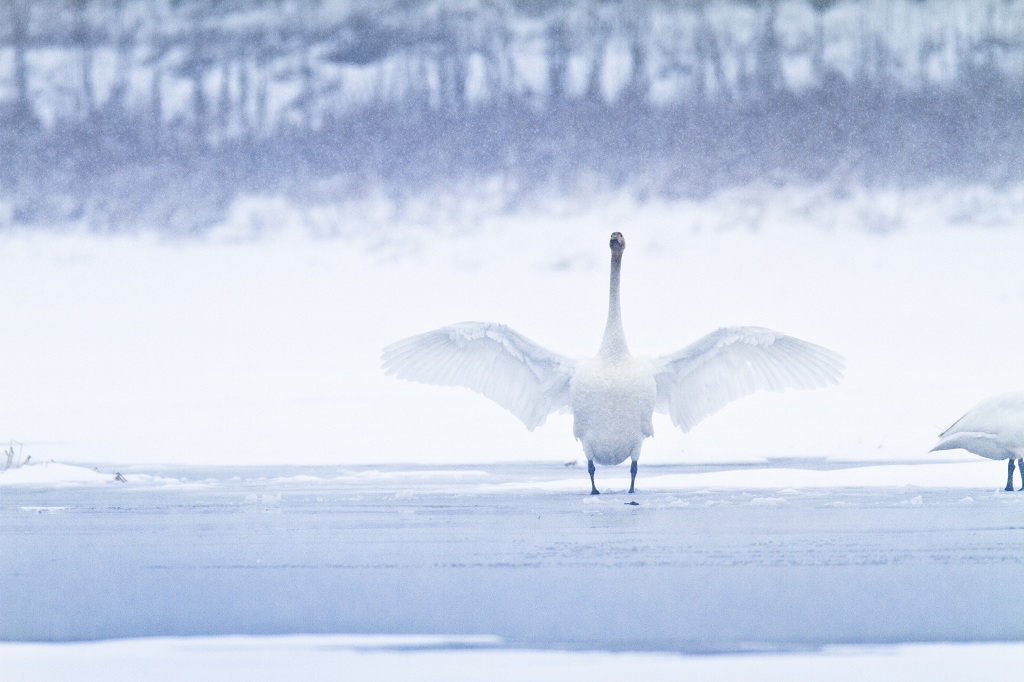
x=127 y=114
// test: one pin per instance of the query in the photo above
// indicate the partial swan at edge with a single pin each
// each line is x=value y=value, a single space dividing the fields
x=994 y=428
x=611 y=396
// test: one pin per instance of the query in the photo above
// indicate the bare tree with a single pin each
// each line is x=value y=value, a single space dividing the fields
x=82 y=37
x=707 y=55
x=821 y=8
x=636 y=24
x=600 y=32
x=768 y=76
x=23 y=114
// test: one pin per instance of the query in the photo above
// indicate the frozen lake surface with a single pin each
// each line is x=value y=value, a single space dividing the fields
x=780 y=556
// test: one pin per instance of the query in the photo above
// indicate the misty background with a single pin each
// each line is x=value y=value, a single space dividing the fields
x=157 y=114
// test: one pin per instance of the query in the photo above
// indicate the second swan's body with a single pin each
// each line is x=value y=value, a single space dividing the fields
x=613 y=395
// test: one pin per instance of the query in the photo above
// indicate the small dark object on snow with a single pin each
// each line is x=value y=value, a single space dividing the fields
x=121 y=478
x=633 y=504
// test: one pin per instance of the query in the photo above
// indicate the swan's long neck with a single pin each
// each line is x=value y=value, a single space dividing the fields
x=614 y=342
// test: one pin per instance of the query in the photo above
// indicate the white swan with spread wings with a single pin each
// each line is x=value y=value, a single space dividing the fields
x=613 y=395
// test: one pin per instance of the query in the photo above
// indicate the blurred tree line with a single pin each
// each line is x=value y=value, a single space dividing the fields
x=157 y=113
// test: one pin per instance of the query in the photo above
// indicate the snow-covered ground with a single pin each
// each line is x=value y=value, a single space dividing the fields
x=774 y=474
x=265 y=349
x=313 y=658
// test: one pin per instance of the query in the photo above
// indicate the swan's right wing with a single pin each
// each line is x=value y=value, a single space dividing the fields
x=983 y=444
x=732 y=362
x=498 y=362
x=1001 y=414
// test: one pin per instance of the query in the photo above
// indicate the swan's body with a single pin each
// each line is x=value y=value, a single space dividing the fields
x=994 y=428
x=613 y=395
x=612 y=402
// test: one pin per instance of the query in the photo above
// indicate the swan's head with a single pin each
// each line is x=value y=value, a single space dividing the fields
x=617 y=243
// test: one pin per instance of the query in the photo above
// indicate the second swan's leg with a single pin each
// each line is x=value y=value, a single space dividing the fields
x=1020 y=468
x=590 y=468
x=1009 y=475
x=632 y=475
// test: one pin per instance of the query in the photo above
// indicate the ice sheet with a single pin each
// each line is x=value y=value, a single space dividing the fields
x=518 y=552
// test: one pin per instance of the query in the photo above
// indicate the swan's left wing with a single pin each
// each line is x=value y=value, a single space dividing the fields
x=498 y=362
x=732 y=362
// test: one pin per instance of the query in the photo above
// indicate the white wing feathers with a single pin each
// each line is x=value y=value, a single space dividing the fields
x=992 y=428
x=526 y=379
x=732 y=362
x=983 y=444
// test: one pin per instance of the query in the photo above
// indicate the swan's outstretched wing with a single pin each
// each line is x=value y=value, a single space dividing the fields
x=732 y=362
x=500 y=363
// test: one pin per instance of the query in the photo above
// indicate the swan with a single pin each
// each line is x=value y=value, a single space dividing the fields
x=613 y=395
x=993 y=428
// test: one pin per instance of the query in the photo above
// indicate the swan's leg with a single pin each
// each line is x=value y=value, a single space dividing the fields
x=1009 y=475
x=590 y=468
x=1020 y=468
x=632 y=475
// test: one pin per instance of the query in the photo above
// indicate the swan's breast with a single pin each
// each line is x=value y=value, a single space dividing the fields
x=612 y=403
